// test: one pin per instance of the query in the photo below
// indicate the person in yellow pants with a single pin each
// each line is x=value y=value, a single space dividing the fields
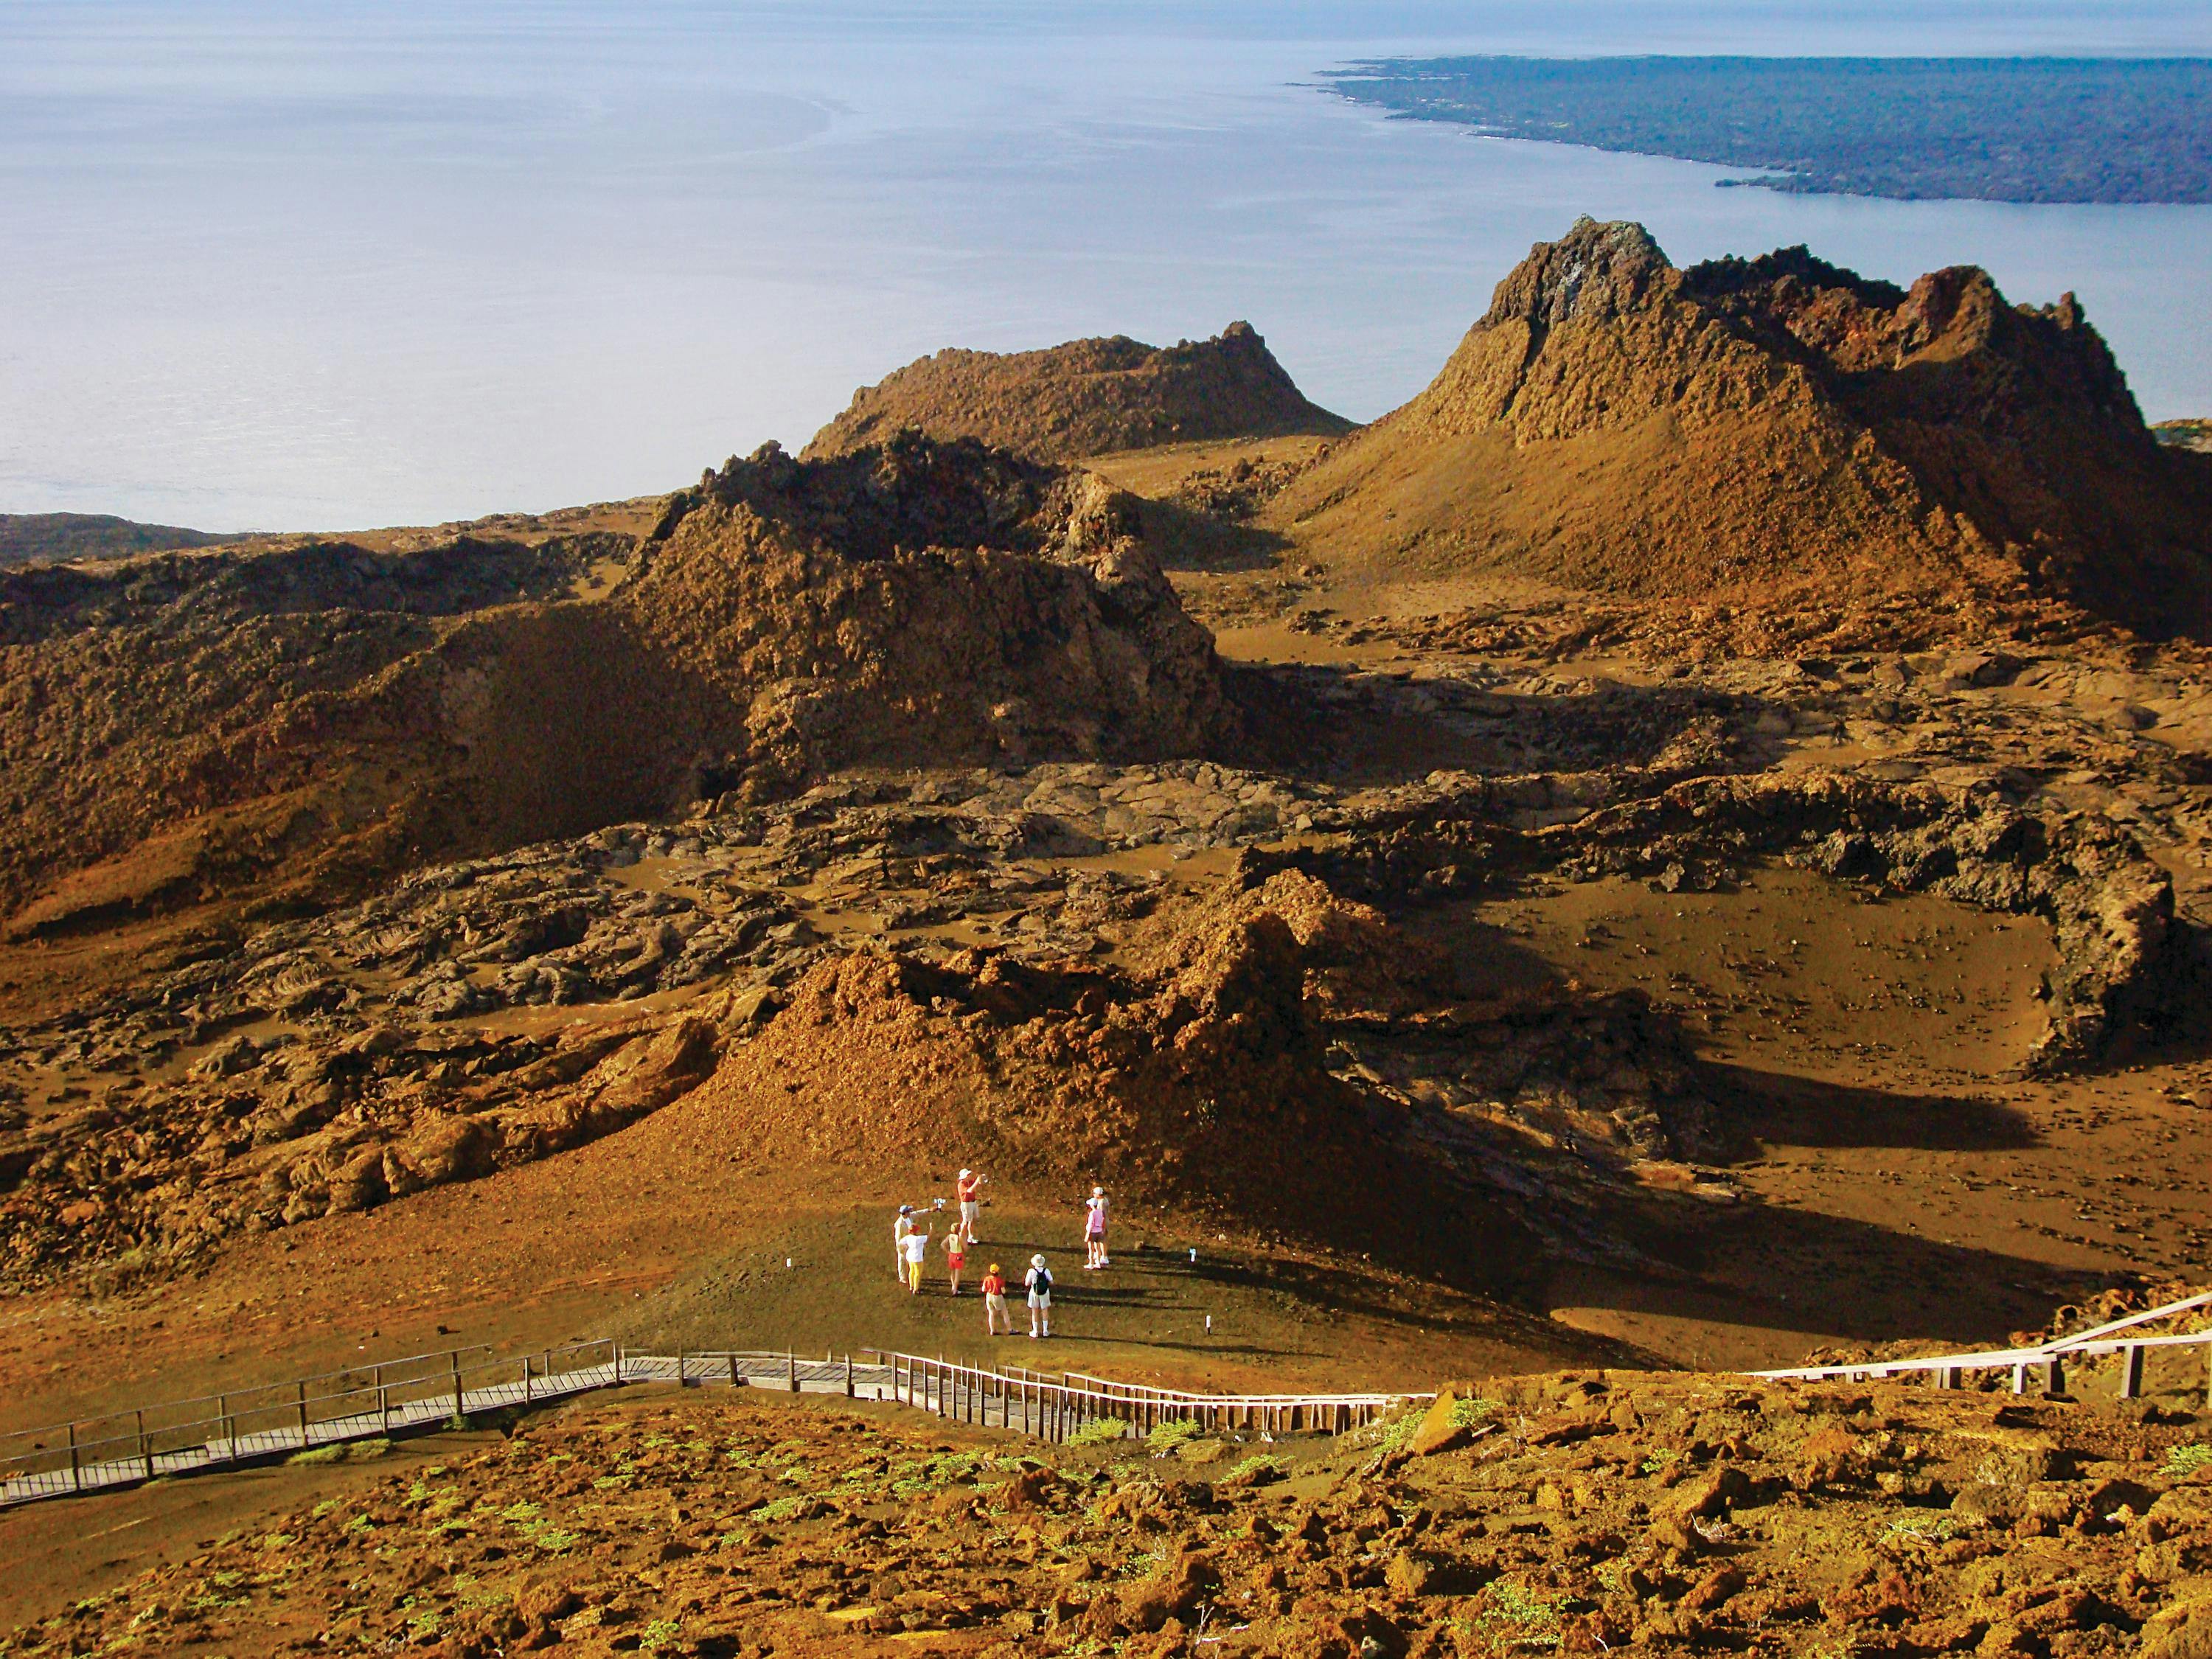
x=917 y=1254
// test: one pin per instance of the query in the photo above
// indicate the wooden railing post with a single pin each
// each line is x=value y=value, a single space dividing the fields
x=76 y=1465
x=145 y=1447
x=459 y=1399
x=2132 y=1372
x=303 y=1414
x=734 y=1368
x=383 y=1405
x=525 y=1379
x=222 y=1420
x=791 y=1369
x=849 y=1377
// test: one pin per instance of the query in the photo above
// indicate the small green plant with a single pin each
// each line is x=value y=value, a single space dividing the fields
x=341 y=1451
x=2187 y=1460
x=660 y=1633
x=1261 y=1465
x=1467 y=1414
x=1165 y=1438
x=1519 y=1617
x=360 y=1523
x=781 y=1508
x=1144 y=1563
x=1100 y=1431
x=1932 y=1528
x=1397 y=1433
x=1665 y=1458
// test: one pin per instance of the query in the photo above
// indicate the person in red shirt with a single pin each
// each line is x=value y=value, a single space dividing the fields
x=995 y=1304
x=967 y=1190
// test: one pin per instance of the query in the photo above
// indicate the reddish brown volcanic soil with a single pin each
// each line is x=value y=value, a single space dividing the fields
x=1687 y=845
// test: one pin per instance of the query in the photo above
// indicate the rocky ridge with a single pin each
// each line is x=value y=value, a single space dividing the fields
x=1771 y=431
x=1067 y=403
x=187 y=726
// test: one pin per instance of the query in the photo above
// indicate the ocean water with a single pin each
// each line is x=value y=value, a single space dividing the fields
x=343 y=263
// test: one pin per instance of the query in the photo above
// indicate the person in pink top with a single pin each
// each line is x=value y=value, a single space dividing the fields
x=1094 y=1229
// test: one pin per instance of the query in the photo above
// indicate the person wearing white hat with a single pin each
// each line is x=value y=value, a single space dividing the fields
x=967 y=1189
x=899 y=1228
x=1039 y=1284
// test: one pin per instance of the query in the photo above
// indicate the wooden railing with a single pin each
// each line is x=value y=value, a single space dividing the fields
x=394 y=1396
x=1055 y=1408
x=427 y=1391
x=2046 y=1361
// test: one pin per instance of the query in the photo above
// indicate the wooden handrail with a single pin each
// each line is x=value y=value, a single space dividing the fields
x=429 y=1389
x=2101 y=1339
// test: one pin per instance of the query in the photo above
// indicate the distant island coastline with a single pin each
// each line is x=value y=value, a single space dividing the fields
x=2047 y=129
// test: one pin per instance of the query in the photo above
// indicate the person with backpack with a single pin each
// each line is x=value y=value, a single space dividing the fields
x=1040 y=1286
x=994 y=1302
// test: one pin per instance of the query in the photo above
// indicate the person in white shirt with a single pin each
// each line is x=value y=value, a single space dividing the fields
x=1040 y=1283
x=917 y=1257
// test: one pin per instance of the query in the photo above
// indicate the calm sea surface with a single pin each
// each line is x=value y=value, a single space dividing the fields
x=341 y=264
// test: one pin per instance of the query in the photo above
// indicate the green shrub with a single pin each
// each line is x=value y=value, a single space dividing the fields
x=1519 y=1617
x=1167 y=1436
x=2187 y=1460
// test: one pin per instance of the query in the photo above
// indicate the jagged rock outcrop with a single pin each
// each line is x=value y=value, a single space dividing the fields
x=1086 y=398
x=1206 y=1071
x=1771 y=428
x=183 y=727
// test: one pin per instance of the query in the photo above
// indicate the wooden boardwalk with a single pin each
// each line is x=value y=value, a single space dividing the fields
x=2044 y=1363
x=425 y=1391
x=428 y=1391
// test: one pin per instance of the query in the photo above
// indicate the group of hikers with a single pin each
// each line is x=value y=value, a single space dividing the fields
x=911 y=1242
